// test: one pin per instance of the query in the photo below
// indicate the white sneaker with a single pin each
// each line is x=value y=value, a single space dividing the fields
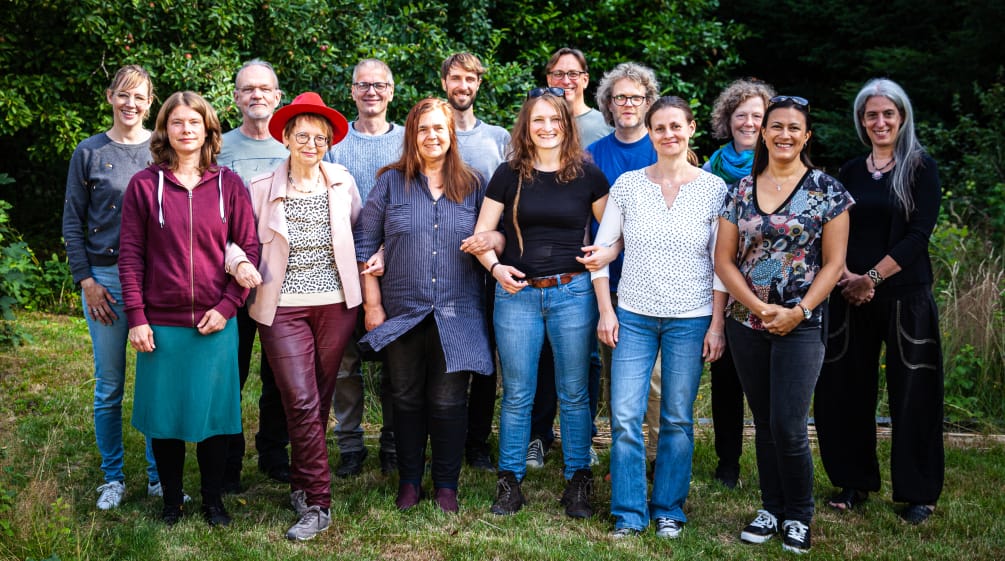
x=111 y=495
x=594 y=458
x=668 y=528
x=761 y=529
x=155 y=490
x=535 y=454
x=311 y=523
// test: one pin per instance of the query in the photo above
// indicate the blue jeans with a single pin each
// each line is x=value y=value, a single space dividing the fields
x=779 y=374
x=679 y=340
x=568 y=314
x=109 y=345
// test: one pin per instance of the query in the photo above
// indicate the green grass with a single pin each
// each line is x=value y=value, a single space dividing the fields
x=49 y=468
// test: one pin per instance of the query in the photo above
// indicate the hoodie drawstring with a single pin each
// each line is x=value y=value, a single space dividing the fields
x=160 y=196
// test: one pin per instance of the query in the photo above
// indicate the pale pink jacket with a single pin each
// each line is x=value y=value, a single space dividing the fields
x=268 y=195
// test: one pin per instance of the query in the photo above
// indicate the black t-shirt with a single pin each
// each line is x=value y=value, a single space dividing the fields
x=553 y=218
x=879 y=227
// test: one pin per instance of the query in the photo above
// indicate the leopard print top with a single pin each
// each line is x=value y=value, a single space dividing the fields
x=311 y=268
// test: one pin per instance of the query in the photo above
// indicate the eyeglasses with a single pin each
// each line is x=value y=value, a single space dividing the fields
x=634 y=100
x=572 y=74
x=363 y=87
x=538 y=92
x=793 y=98
x=250 y=90
x=302 y=138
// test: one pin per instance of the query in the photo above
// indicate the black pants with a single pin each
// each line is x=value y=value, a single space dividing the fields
x=727 y=411
x=271 y=438
x=429 y=403
x=170 y=457
x=845 y=405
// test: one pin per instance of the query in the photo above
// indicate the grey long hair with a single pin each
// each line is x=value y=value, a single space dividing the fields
x=907 y=150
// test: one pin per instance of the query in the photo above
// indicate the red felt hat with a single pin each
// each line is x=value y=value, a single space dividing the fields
x=308 y=102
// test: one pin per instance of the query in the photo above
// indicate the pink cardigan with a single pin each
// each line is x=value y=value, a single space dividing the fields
x=268 y=193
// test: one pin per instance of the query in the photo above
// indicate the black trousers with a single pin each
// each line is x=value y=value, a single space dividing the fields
x=271 y=438
x=845 y=406
x=429 y=404
x=727 y=411
x=170 y=457
x=482 y=390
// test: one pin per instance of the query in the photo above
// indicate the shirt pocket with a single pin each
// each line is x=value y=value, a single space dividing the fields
x=397 y=220
x=464 y=222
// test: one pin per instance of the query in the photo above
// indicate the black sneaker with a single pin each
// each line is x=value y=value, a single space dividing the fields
x=215 y=515
x=388 y=462
x=279 y=474
x=351 y=463
x=578 y=491
x=172 y=514
x=795 y=536
x=478 y=457
x=761 y=529
x=509 y=498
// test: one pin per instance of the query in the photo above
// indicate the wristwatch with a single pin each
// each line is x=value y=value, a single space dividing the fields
x=874 y=276
x=807 y=313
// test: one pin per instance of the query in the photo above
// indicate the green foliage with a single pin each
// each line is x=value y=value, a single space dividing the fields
x=16 y=268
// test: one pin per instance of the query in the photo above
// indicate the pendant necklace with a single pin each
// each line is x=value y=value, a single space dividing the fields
x=878 y=174
x=289 y=179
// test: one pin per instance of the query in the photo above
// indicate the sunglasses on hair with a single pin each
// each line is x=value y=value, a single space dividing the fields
x=802 y=101
x=538 y=92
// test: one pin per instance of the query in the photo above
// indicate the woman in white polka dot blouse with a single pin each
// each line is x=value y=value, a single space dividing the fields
x=669 y=301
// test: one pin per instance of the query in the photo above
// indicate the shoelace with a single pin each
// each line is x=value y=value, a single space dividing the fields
x=796 y=531
x=507 y=490
x=762 y=521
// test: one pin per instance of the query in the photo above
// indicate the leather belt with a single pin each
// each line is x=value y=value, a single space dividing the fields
x=553 y=280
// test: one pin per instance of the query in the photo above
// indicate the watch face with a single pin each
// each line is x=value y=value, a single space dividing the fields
x=807 y=313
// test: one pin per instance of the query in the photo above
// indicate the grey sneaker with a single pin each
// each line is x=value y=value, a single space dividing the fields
x=298 y=500
x=761 y=529
x=535 y=454
x=155 y=490
x=111 y=495
x=625 y=533
x=311 y=523
x=594 y=457
x=668 y=528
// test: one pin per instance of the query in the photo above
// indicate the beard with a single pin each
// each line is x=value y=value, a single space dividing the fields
x=452 y=100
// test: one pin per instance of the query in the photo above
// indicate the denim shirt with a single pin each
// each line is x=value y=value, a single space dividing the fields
x=425 y=270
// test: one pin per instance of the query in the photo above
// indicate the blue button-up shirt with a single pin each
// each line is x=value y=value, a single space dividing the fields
x=425 y=272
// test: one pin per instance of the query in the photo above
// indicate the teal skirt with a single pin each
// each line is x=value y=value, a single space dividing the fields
x=188 y=388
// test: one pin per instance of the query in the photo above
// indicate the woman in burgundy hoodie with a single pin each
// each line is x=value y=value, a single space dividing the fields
x=177 y=217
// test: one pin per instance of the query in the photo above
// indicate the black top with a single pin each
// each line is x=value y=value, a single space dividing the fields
x=879 y=227
x=553 y=218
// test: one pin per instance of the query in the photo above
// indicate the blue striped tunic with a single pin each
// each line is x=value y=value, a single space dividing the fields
x=425 y=270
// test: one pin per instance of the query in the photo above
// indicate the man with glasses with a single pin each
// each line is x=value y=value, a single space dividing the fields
x=624 y=96
x=567 y=69
x=372 y=143
x=250 y=151
x=483 y=147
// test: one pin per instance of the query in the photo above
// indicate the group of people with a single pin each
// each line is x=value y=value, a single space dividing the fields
x=438 y=245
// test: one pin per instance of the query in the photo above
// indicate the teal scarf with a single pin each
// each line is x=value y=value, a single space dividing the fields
x=731 y=166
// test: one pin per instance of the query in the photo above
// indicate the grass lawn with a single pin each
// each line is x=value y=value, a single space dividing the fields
x=49 y=469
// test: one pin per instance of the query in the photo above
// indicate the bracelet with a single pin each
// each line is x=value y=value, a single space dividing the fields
x=494 y=266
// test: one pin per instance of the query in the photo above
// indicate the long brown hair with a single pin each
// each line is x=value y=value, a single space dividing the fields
x=524 y=151
x=459 y=180
x=160 y=144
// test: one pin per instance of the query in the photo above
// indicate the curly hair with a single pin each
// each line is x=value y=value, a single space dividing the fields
x=643 y=76
x=732 y=97
x=160 y=144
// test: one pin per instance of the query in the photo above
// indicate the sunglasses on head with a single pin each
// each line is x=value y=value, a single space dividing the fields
x=795 y=99
x=538 y=92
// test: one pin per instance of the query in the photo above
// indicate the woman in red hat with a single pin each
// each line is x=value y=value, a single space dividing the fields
x=306 y=305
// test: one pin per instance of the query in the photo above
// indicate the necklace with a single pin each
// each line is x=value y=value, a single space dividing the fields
x=289 y=179
x=778 y=184
x=880 y=170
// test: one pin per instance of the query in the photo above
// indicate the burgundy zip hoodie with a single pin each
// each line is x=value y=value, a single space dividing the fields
x=171 y=261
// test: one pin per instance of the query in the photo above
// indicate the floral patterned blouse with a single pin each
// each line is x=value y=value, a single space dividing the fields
x=779 y=253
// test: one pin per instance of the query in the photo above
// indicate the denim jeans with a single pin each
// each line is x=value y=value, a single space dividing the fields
x=109 y=345
x=568 y=314
x=679 y=342
x=778 y=374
